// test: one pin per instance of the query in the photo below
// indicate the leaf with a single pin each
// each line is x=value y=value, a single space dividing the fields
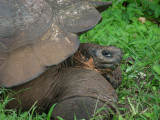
x=157 y=69
x=129 y=69
x=121 y=118
x=60 y=118
x=155 y=107
x=157 y=12
x=152 y=6
x=50 y=111
x=75 y=117
x=117 y=14
x=2 y=116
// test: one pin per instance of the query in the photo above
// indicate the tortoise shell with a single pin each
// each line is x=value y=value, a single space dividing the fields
x=35 y=34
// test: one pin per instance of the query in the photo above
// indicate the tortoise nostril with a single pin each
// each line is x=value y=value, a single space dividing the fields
x=106 y=53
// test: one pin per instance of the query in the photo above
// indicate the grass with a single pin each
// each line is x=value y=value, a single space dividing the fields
x=139 y=93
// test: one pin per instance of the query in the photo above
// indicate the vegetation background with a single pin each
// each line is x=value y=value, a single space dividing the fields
x=133 y=26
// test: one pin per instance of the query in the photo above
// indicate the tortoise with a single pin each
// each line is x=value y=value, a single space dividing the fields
x=37 y=38
x=80 y=79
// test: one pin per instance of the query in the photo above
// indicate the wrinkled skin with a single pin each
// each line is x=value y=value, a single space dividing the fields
x=104 y=59
x=77 y=90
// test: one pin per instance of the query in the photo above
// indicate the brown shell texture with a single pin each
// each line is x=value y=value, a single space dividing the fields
x=35 y=34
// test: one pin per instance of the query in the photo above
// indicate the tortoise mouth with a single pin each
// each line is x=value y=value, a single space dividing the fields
x=107 y=66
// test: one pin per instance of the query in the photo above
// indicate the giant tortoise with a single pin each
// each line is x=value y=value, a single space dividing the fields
x=77 y=84
x=37 y=38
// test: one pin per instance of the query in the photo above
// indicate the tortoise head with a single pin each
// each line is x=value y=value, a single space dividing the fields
x=101 y=57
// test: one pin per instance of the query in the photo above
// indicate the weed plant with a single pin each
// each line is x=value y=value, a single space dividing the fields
x=139 y=93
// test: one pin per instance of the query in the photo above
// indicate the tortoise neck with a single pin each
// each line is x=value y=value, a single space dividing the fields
x=66 y=63
x=76 y=60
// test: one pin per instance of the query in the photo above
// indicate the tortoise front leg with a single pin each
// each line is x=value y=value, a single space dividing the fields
x=81 y=93
x=79 y=107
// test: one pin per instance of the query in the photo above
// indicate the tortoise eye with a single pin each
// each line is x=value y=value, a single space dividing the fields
x=106 y=53
x=86 y=58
